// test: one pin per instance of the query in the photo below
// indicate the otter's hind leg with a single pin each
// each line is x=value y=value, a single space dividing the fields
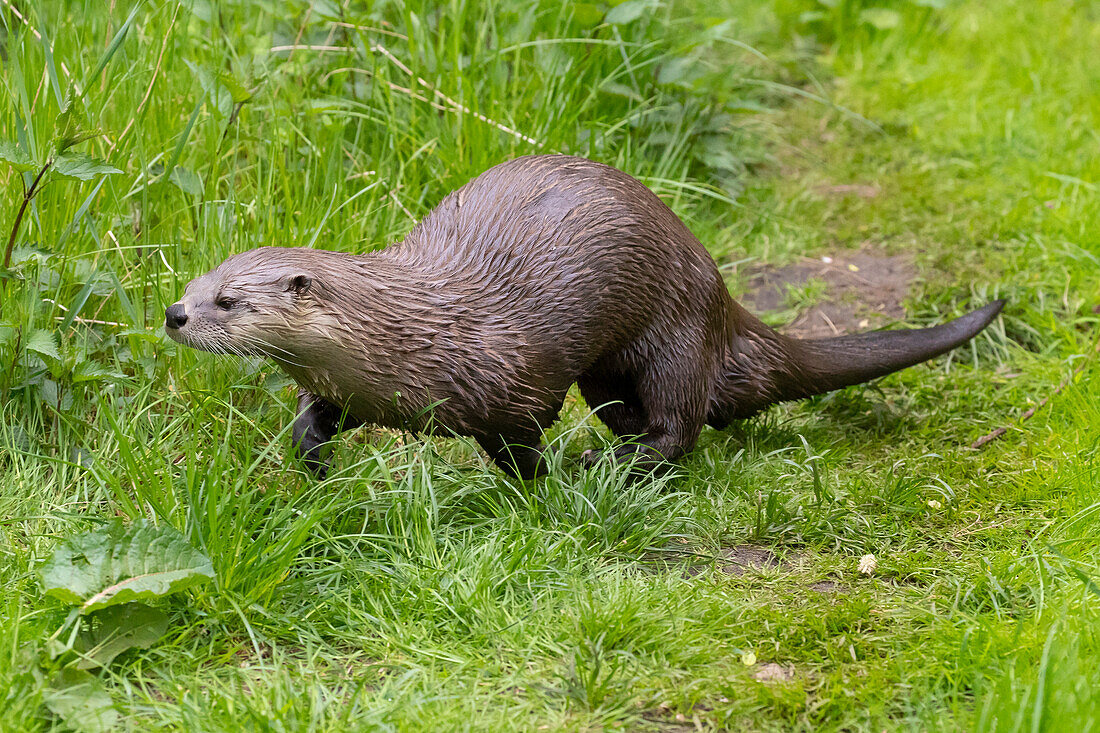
x=317 y=423
x=663 y=404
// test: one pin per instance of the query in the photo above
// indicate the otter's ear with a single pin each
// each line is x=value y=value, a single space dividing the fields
x=299 y=283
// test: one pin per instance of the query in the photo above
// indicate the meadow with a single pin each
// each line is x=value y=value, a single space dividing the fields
x=417 y=587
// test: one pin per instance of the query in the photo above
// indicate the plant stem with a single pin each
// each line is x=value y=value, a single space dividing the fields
x=28 y=194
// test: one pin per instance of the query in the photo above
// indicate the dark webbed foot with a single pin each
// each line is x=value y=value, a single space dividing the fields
x=646 y=460
x=317 y=423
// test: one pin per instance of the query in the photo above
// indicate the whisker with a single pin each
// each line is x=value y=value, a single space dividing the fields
x=256 y=341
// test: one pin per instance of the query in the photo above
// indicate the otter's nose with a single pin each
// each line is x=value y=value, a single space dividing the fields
x=175 y=316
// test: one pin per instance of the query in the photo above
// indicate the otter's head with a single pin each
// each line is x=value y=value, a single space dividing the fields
x=254 y=304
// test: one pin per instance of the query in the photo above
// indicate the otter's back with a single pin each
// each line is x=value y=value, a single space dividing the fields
x=558 y=238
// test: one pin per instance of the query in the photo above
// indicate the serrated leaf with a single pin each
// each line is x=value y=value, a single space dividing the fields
x=186 y=180
x=14 y=155
x=627 y=12
x=68 y=127
x=75 y=138
x=118 y=628
x=81 y=701
x=89 y=371
x=117 y=564
x=42 y=342
x=81 y=166
x=237 y=91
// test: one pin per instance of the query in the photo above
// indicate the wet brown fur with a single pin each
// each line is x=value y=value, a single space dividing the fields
x=543 y=272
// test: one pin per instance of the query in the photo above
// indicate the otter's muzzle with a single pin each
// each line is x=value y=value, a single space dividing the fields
x=175 y=316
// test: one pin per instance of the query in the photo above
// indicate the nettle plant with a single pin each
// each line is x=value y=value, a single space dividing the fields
x=32 y=354
x=60 y=161
x=40 y=346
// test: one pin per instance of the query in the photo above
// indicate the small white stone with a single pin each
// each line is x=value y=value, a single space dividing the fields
x=868 y=565
x=934 y=504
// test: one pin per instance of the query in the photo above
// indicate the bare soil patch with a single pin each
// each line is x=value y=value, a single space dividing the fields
x=743 y=558
x=862 y=289
x=827 y=586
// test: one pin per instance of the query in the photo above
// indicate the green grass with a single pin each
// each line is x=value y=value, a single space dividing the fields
x=417 y=587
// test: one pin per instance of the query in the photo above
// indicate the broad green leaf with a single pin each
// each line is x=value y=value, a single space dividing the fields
x=117 y=564
x=43 y=342
x=627 y=12
x=587 y=14
x=118 y=628
x=881 y=18
x=84 y=167
x=18 y=158
x=81 y=701
x=20 y=438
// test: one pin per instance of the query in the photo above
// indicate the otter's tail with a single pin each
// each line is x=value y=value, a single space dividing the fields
x=822 y=365
x=765 y=367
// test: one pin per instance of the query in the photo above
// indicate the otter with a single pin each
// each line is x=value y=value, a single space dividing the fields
x=543 y=272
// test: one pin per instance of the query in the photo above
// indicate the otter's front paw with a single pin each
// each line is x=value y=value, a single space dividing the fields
x=309 y=444
x=645 y=461
x=310 y=452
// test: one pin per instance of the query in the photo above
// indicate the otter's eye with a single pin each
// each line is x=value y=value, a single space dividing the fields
x=225 y=303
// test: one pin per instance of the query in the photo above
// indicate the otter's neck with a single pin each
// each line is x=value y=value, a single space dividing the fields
x=383 y=341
